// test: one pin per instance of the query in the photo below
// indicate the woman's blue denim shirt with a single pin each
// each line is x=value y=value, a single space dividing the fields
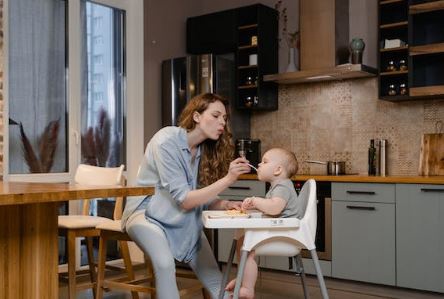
x=167 y=166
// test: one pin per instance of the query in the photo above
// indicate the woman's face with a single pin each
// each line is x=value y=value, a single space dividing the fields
x=212 y=121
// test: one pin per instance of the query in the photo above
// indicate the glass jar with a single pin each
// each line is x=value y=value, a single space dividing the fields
x=402 y=65
x=391 y=66
x=392 y=90
x=403 y=89
x=248 y=102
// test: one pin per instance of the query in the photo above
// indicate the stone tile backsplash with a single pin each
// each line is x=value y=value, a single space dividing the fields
x=336 y=120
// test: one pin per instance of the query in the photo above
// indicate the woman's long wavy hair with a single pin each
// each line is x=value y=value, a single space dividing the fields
x=215 y=154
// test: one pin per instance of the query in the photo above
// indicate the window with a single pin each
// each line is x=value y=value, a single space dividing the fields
x=67 y=62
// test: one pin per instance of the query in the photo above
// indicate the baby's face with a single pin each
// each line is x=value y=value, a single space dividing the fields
x=271 y=160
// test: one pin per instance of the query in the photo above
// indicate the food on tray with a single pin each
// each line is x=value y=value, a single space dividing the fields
x=235 y=213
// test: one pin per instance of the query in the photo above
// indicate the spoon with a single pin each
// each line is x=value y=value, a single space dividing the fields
x=252 y=166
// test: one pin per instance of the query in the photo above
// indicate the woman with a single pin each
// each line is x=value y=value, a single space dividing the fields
x=168 y=225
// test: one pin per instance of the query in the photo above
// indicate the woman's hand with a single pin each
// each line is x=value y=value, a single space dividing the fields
x=233 y=205
x=248 y=203
x=238 y=167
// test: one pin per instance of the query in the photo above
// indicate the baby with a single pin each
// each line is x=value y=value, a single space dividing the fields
x=277 y=167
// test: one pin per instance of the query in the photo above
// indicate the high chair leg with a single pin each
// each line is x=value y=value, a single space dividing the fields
x=228 y=269
x=314 y=257
x=240 y=273
x=300 y=270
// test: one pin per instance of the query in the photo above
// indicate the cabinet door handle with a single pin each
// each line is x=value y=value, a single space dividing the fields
x=239 y=188
x=361 y=208
x=361 y=192
x=432 y=190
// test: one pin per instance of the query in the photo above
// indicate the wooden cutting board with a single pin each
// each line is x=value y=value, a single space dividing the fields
x=431 y=159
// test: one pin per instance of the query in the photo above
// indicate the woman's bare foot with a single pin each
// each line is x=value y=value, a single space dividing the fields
x=244 y=293
x=230 y=286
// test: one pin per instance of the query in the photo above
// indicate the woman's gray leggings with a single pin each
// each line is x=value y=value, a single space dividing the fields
x=153 y=242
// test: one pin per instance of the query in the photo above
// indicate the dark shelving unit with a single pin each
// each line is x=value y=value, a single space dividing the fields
x=257 y=22
x=420 y=24
x=231 y=31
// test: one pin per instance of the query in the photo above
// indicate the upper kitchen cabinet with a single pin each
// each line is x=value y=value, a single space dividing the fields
x=212 y=33
x=251 y=32
x=411 y=53
x=256 y=56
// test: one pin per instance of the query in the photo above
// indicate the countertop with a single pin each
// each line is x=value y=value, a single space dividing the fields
x=438 y=180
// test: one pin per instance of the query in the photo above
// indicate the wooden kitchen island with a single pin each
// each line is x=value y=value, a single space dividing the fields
x=29 y=231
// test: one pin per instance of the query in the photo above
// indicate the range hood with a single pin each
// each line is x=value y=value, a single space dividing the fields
x=326 y=27
x=340 y=72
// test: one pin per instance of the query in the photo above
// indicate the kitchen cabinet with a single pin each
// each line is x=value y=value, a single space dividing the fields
x=363 y=232
x=256 y=56
x=413 y=69
x=214 y=33
x=419 y=236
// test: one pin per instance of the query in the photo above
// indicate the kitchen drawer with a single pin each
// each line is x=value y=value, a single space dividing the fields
x=363 y=246
x=419 y=241
x=245 y=188
x=363 y=192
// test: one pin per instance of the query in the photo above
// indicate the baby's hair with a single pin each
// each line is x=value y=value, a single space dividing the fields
x=290 y=161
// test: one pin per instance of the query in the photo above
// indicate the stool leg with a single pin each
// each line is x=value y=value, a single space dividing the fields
x=101 y=266
x=92 y=267
x=300 y=270
x=228 y=269
x=315 y=259
x=240 y=273
x=124 y=250
x=71 y=236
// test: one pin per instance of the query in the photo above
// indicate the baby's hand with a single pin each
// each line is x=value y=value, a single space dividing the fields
x=233 y=205
x=248 y=203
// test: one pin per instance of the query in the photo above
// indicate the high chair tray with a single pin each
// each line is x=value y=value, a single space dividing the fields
x=220 y=219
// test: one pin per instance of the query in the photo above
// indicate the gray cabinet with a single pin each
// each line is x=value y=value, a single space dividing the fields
x=363 y=232
x=420 y=236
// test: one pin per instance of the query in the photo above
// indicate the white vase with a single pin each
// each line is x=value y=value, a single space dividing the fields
x=292 y=60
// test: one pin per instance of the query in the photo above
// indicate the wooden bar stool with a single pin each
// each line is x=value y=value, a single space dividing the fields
x=76 y=226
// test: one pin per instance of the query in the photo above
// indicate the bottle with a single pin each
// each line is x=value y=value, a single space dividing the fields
x=372 y=158
x=377 y=157
x=382 y=157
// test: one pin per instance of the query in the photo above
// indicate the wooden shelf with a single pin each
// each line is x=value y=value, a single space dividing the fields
x=394 y=49
x=241 y=67
x=250 y=26
x=394 y=73
x=246 y=47
x=341 y=72
x=390 y=1
x=427 y=49
x=395 y=98
x=426 y=7
x=394 y=25
x=251 y=86
x=427 y=90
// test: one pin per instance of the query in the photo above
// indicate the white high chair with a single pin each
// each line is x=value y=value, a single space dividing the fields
x=285 y=241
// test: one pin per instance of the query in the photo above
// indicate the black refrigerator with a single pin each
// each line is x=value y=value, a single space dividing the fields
x=186 y=77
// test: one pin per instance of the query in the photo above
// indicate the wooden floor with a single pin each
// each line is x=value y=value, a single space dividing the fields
x=280 y=285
